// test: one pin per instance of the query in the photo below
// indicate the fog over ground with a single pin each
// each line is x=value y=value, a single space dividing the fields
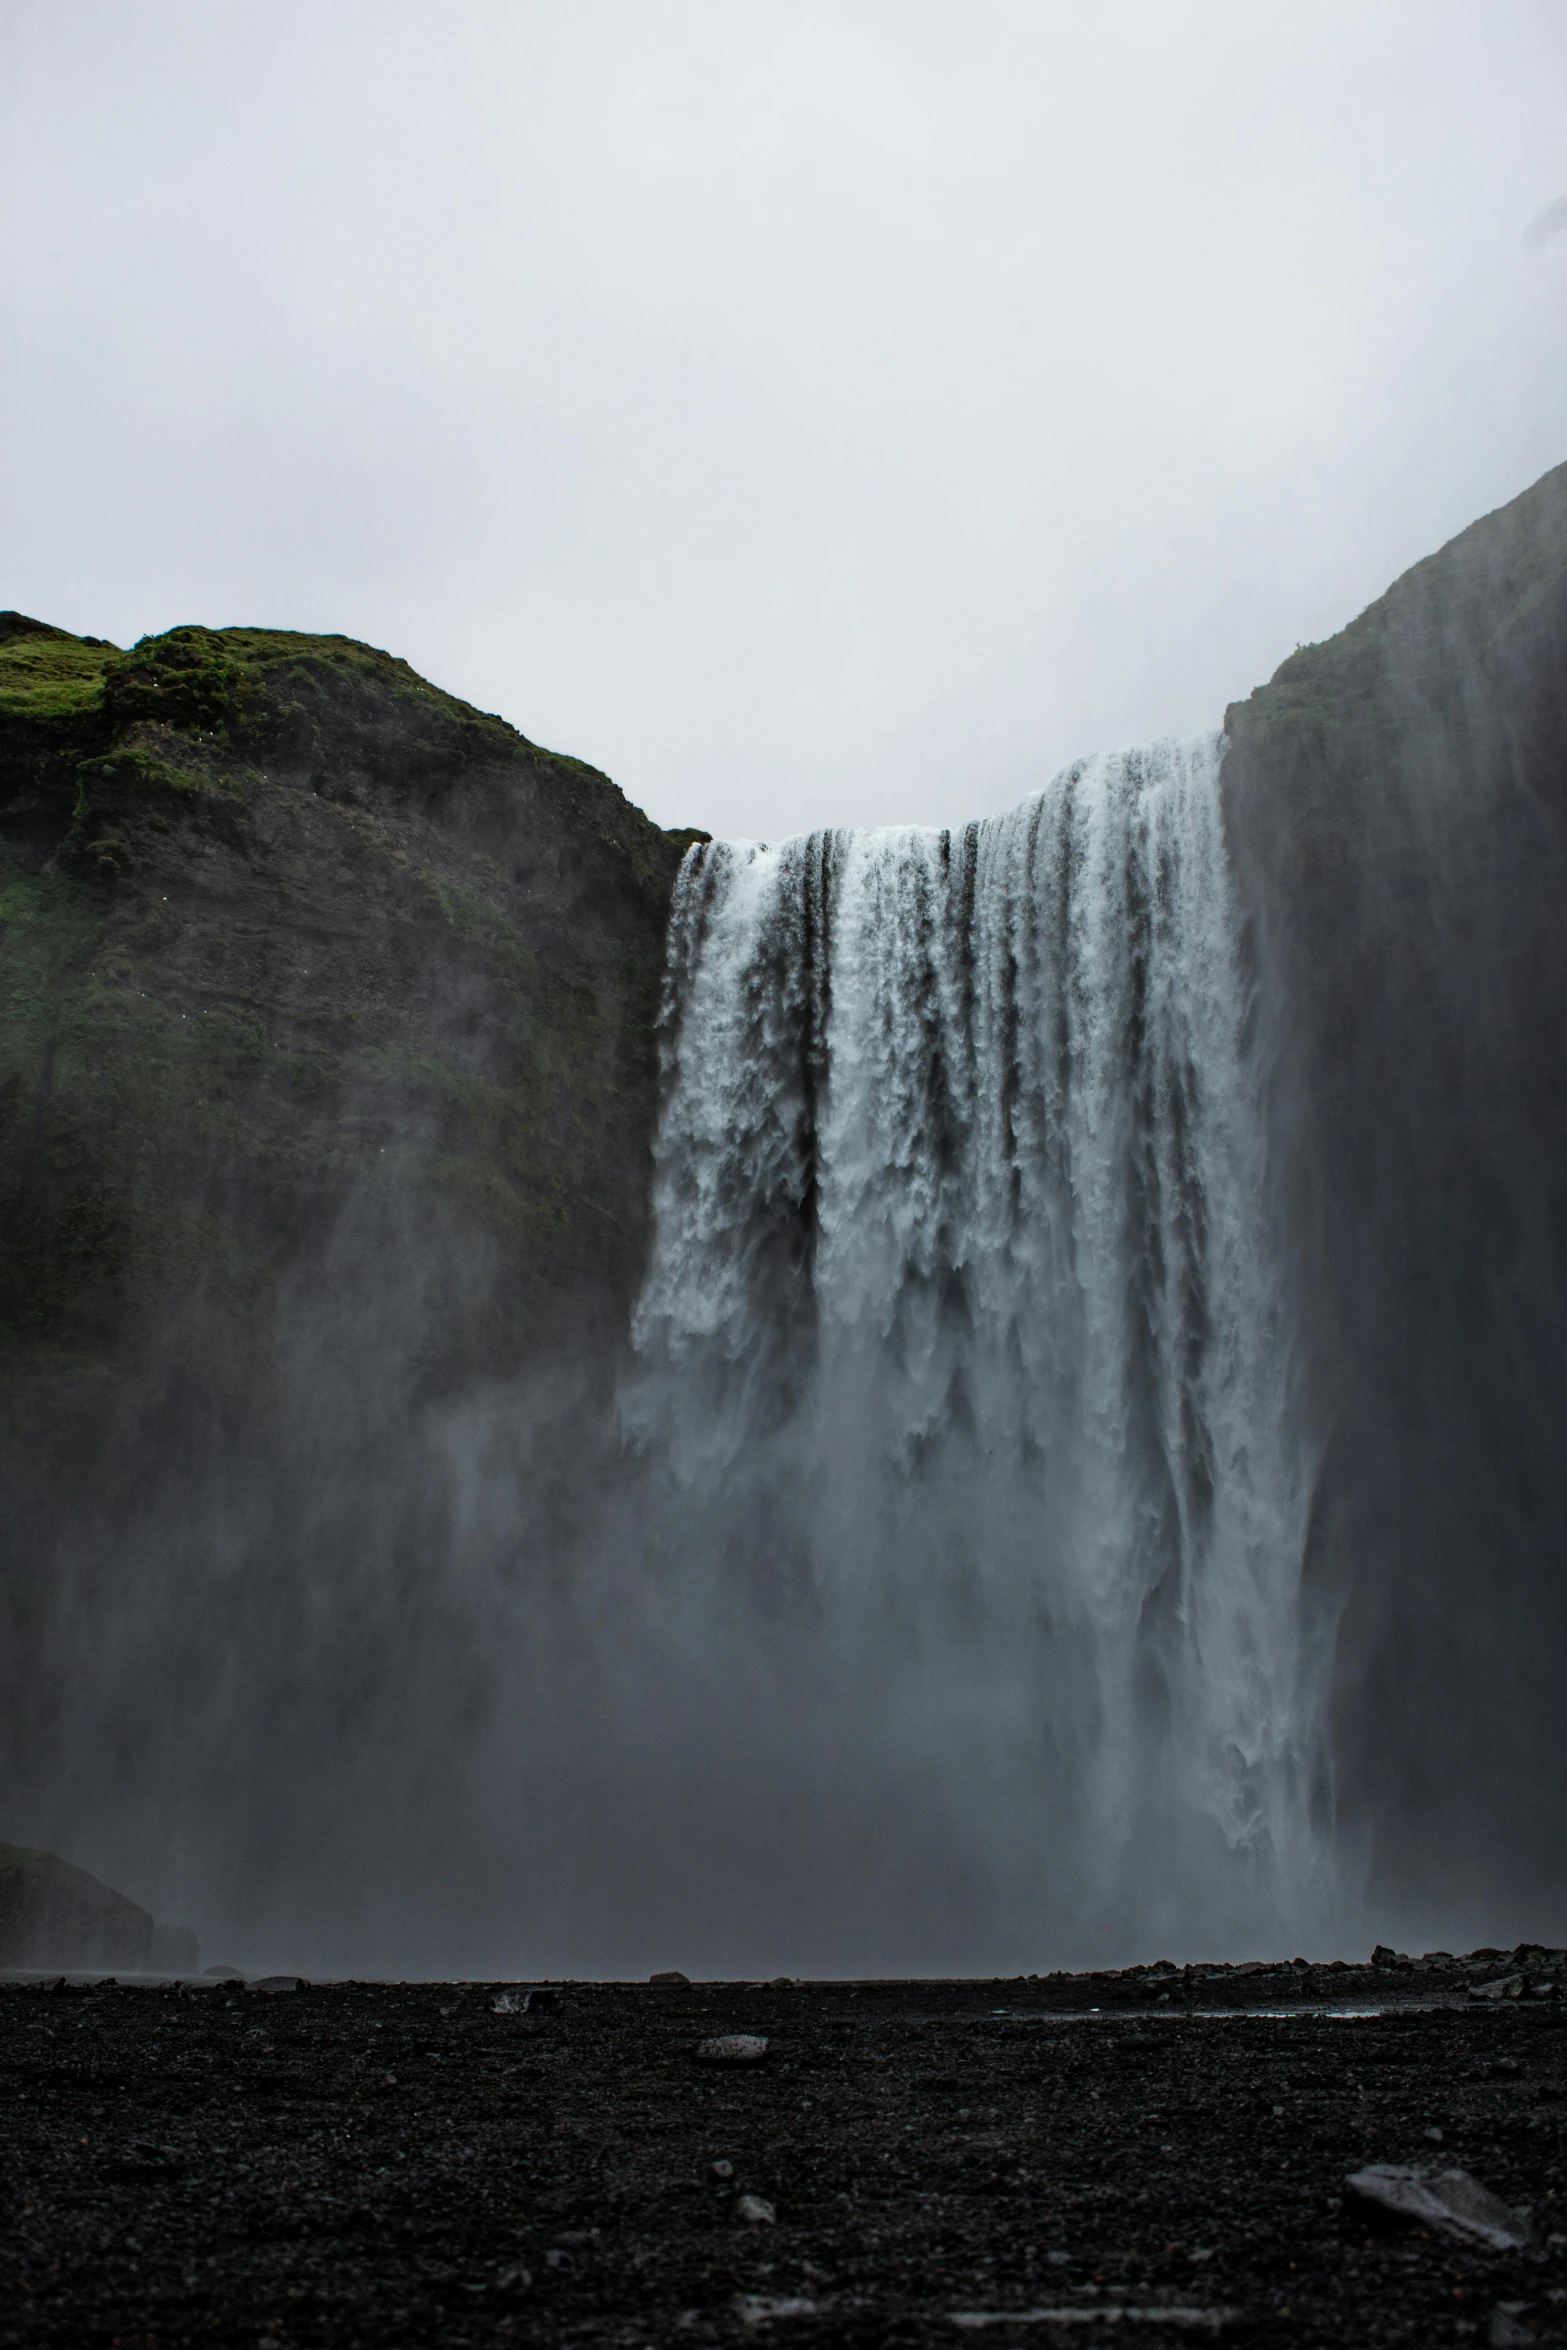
x=848 y=411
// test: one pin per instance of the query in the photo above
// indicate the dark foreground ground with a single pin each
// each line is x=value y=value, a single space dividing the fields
x=1072 y=2159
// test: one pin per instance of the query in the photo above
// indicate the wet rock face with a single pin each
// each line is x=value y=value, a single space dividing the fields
x=54 y=1915
x=327 y=1078
x=1397 y=803
x=297 y=949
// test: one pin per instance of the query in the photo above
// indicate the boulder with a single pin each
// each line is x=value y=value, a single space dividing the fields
x=1449 y=2201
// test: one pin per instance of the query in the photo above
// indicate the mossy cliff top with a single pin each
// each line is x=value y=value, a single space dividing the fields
x=303 y=961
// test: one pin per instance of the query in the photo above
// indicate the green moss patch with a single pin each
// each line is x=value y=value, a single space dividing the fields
x=187 y=678
x=46 y=673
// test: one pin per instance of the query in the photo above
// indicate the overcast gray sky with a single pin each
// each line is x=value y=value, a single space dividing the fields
x=807 y=410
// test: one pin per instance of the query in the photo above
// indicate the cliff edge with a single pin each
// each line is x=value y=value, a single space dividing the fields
x=1397 y=802
x=302 y=961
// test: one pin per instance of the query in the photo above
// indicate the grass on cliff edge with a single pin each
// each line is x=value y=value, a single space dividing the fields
x=196 y=677
x=48 y=673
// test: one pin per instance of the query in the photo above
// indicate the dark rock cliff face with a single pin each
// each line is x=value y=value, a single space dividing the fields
x=327 y=1077
x=1398 y=805
x=285 y=929
x=53 y=1915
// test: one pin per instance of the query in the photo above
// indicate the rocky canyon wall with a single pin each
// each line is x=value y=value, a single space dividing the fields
x=1397 y=799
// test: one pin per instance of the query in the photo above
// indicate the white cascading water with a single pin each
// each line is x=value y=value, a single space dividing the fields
x=962 y=1351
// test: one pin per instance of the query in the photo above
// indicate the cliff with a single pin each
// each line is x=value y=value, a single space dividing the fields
x=54 y=1915
x=327 y=1075
x=1397 y=800
x=300 y=957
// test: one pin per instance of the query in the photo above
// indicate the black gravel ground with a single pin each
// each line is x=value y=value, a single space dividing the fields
x=1068 y=2158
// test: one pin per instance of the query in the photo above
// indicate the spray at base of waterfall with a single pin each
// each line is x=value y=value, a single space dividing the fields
x=969 y=1459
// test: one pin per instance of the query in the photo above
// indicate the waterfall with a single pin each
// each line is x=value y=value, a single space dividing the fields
x=963 y=1364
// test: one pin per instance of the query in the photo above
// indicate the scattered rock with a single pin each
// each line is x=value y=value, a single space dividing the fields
x=720 y=2170
x=143 y=2164
x=1384 y=1957
x=1450 y=2201
x=733 y=2048
x=506 y=2005
x=672 y=1979
x=540 y=2002
x=273 y=1984
x=755 y=2210
x=1502 y=1987
x=1108 y=2313
x=760 y=2309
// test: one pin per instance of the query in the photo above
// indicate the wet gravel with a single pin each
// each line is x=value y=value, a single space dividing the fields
x=1130 y=2158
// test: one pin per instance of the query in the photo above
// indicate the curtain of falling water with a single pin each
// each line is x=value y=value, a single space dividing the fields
x=962 y=1350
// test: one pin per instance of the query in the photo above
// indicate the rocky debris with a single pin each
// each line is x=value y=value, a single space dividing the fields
x=1174 y=2315
x=1449 y=2200
x=671 y=1979
x=1389 y=1976
x=142 y=2164
x=275 y=1985
x=761 y=2309
x=53 y=1914
x=733 y=2048
x=386 y=2163
x=506 y=2005
x=1503 y=1987
x=755 y=2210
